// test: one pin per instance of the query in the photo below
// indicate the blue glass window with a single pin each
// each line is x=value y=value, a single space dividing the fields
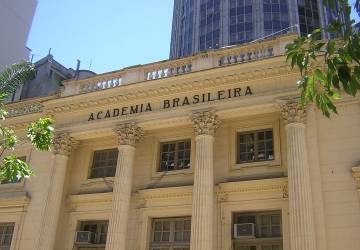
x=209 y=24
x=276 y=17
x=308 y=16
x=241 y=28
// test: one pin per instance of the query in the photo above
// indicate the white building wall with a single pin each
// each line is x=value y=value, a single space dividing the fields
x=15 y=22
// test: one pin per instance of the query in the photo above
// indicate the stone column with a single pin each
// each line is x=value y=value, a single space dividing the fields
x=128 y=135
x=205 y=124
x=63 y=145
x=302 y=228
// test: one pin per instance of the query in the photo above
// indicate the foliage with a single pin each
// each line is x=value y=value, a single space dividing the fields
x=328 y=67
x=39 y=133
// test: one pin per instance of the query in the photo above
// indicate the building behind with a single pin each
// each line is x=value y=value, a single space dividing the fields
x=199 y=25
x=208 y=152
x=15 y=22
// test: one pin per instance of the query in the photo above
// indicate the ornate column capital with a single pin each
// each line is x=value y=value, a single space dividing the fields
x=205 y=122
x=129 y=134
x=291 y=111
x=64 y=144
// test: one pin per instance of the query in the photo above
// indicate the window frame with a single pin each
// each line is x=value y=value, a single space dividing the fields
x=2 y=236
x=256 y=124
x=92 y=159
x=259 y=241
x=99 y=224
x=172 y=243
x=157 y=156
x=255 y=143
x=176 y=156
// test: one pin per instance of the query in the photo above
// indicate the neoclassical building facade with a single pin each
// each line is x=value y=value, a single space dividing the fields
x=208 y=152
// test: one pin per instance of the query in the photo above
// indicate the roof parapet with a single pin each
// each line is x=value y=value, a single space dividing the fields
x=201 y=61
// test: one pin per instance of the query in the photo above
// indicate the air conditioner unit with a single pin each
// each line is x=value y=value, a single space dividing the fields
x=244 y=230
x=84 y=237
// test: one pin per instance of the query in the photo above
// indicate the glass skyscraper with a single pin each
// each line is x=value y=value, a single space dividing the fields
x=199 y=25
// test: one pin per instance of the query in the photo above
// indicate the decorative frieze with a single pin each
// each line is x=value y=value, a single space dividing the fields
x=205 y=123
x=25 y=109
x=129 y=134
x=63 y=144
x=291 y=111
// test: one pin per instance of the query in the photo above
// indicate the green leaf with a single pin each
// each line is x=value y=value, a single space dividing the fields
x=8 y=138
x=330 y=48
x=14 y=76
x=40 y=133
x=13 y=169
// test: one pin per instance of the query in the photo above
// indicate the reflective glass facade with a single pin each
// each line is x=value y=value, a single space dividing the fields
x=200 y=25
x=276 y=16
x=209 y=24
x=308 y=16
x=187 y=26
x=241 y=24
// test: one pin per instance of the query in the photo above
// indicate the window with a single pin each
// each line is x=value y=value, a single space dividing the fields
x=210 y=24
x=104 y=163
x=255 y=146
x=267 y=231
x=98 y=230
x=22 y=158
x=175 y=155
x=171 y=234
x=6 y=234
x=276 y=16
x=241 y=20
x=308 y=16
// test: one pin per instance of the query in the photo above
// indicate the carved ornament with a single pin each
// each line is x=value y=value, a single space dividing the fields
x=64 y=144
x=129 y=134
x=205 y=123
x=292 y=112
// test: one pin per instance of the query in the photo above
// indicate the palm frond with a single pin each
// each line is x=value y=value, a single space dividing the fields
x=16 y=75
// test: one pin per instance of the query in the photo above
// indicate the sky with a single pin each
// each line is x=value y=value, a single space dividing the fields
x=105 y=35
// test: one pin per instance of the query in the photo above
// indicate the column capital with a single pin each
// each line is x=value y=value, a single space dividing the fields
x=205 y=122
x=291 y=111
x=129 y=134
x=64 y=144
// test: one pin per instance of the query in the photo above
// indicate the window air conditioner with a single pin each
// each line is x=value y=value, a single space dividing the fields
x=244 y=230
x=84 y=237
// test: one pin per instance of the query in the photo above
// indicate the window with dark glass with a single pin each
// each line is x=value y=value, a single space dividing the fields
x=175 y=155
x=266 y=233
x=241 y=26
x=104 y=163
x=209 y=24
x=171 y=233
x=308 y=16
x=6 y=235
x=255 y=146
x=276 y=16
x=98 y=230
x=186 y=29
x=21 y=158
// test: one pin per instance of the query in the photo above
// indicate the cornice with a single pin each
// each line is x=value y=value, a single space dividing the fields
x=165 y=193
x=14 y=199
x=77 y=199
x=264 y=185
x=178 y=87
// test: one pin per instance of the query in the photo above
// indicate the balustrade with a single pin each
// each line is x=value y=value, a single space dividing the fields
x=100 y=84
x=205 y=60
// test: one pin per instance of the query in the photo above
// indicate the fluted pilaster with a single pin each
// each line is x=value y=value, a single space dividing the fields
x=128 y=135
x=205 y=125
x=63 y=145
x=302 y=228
